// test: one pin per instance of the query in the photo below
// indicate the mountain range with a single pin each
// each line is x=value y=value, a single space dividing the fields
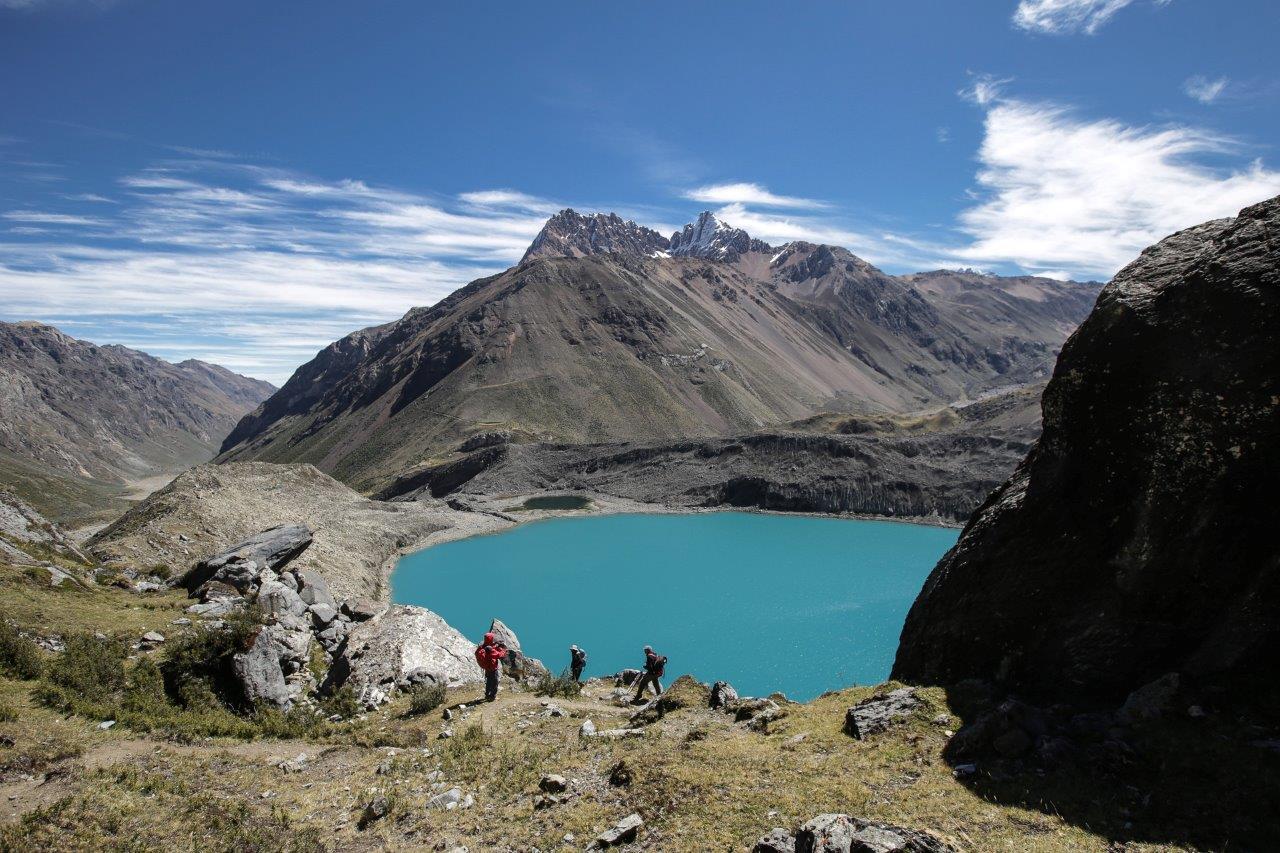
x=80 y=422
x=607 y=331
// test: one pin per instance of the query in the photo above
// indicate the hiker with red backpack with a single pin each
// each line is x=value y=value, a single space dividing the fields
x=489 y=655
x=655 y=665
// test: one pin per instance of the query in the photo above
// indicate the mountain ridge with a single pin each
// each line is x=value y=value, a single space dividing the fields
x=94 y=418
x=719 y=334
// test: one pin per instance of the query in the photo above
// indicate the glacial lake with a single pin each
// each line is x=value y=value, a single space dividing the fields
x=765 y=602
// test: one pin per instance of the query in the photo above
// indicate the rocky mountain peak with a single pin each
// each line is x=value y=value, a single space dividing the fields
x=570 y=234
x=711 y=238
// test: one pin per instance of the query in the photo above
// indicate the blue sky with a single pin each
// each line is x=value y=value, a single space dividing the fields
x=246 y=181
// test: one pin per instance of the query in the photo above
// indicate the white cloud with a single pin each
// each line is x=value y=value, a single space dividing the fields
x=984 y=89
x=1203 y=89
x=217 y=247
x=1088 y=195
x=1059 y=17
x=747 y=193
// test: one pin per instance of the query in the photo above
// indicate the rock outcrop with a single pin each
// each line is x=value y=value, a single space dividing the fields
x=1138 y=538
x=840 y=833
x=398 y=648
x=570 y=234
x=26 y=535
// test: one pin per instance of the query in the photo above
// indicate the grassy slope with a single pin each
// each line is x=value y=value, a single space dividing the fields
x=62 y=498
x=700 y=781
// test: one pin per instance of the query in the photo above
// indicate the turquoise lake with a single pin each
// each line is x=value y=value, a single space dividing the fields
x=765 y=602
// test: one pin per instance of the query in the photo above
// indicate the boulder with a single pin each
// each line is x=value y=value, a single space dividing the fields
x=313 y=588
x=626 y=677
x=775 y=841
x=361 y=609
x=322 y=615
x=877 y=714
x=722 y=694
x=241 y=564
x=275 y=599
x=1137 y=537
x=516 y=664
x=259 y=673
x=1151 y=700
x=622 y=832
x=383 y=651
x=840 y=833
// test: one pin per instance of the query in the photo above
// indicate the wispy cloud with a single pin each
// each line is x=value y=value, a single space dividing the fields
x=747 y=193
x=1204 y=89
x=1060 y=17
x=229 y=247
x=1087 y=195
x=983 y=88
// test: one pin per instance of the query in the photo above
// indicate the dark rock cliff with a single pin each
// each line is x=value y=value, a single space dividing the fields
x=1139 y=537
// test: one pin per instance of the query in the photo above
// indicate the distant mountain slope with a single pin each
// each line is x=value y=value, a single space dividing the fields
x=88 y=419
x=602 y=334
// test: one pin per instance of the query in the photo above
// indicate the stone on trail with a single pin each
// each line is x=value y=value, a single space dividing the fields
x=877 y=714
x=622 y=832
x=241 y=564
x=153 y=638
x=553 y=783
x=587 y=729
x=448 y=800
x=375 y=810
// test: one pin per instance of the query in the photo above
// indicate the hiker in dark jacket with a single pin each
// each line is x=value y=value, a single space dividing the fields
x=577 y=662
x=489 y=655
x=655 y=665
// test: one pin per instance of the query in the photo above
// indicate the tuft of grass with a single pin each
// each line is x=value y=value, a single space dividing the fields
x=425 y=698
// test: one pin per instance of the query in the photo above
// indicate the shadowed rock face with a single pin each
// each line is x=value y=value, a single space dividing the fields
x=1139 y=537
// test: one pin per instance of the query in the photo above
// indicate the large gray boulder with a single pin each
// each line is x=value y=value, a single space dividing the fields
x=269 y=670
x=402 y=644
x=313 y=588
x=877 y=714
x=242 y=563
x=276 y=599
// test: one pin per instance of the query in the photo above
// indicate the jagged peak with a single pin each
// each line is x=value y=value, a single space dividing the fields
x=712 y=238
x=570 y=234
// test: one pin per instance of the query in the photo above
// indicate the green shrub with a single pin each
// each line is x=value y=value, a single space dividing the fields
x=424 y=698
x=197 y=666
x=20 y=657
x=86 y=676
x=162 y=571
x=563 y=685
x=8 y=713
x=341 y=702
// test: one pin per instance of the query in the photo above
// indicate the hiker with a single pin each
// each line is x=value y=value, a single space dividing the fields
x=655 y=665
x=489 y=655
x=577 y=662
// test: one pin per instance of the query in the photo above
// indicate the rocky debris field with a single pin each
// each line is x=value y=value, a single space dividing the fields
x=937 y=466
